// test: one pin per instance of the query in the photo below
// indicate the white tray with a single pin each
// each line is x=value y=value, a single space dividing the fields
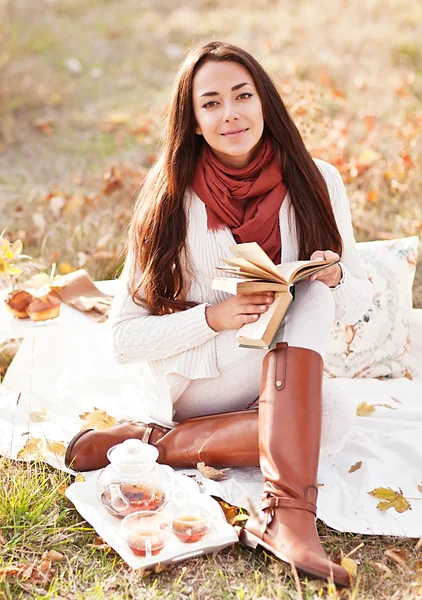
x=84 y=497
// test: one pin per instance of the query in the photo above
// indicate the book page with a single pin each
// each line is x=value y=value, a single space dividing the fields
x=247 y=269
x=299 y=269
x=235 y=285
x=256 y=255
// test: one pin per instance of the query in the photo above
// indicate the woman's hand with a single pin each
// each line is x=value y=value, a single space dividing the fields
x=331 y=275
x=237 y=310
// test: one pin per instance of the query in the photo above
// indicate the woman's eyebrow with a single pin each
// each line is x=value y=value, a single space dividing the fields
x=234 y=88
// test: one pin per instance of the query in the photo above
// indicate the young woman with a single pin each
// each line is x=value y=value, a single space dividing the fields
x=234 y=168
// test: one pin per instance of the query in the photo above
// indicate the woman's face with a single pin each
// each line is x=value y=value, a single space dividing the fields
x=228 y=111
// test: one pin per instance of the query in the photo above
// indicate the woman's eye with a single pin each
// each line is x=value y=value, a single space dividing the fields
x=210 y=104
x=245 y=95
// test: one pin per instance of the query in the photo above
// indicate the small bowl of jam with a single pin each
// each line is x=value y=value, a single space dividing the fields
x=146 y=532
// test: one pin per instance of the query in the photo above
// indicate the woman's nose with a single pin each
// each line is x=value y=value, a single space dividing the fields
x=230 y=114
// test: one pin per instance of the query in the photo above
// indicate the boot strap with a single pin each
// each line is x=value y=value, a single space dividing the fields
x=280 y=365
x=283 y=502
x=149 y=429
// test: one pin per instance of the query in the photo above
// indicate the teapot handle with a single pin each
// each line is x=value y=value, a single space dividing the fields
x=117 y=501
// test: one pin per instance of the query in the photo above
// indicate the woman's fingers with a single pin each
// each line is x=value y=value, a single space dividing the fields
x=247 y=319
x=254 y=308
x=324 y=255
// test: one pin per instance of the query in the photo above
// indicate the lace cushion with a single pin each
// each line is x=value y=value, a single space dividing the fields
x=378 y=344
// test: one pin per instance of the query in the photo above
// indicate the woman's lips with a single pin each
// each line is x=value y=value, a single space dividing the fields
x=232 y=134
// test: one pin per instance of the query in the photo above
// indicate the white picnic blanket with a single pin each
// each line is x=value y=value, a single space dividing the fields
x=65 y=368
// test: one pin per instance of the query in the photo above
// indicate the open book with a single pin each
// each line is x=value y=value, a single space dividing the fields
x=250 y=271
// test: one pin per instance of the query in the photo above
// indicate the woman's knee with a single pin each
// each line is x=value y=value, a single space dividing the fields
x=315 y=296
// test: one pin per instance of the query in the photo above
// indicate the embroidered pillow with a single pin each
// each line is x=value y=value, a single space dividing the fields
x=378 y=344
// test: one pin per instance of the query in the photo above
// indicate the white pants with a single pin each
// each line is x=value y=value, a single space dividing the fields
x=307 y=324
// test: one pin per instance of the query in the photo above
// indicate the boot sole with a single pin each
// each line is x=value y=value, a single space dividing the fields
x=251 y=540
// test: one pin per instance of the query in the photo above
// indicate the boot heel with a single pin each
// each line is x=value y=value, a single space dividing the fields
x=249 y=539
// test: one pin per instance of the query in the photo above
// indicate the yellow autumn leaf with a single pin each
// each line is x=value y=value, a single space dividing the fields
x=66 y=268
x=39 y=447
x=32 y=446
x=364 y=409
x=98 y=419
x=210 y=472
x=349 y=565
x=355 y=467
x=80 y=478
x=390 y=499
x=239 y=520
x=62 y=489
x=54 y=447
x=230 y=511
x=39 y=416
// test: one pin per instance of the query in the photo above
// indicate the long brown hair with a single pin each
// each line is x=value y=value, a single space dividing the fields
x=157 y=234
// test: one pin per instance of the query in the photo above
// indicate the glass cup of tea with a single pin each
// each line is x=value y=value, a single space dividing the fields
x=191 y=524
x=146 y=532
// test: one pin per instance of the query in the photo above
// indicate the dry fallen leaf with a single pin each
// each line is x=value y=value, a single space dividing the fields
x=99 y=544
x=98 y=419
x=239 y=520
x=349 y=565
x=74 y=204
x=386 y=570
x=39 y=447
x=32 y=573
x=2 y=539
x=39 y=416
x=62 y=489
x=210 y=472
x=160 y=567
x=391 y=499
x=364 y=409
x=355 y=467
x=32 y=446
x=80 y=478
x=53 y=556
x=55 y=447
x=401 y=557
x=45 y=125
x=230 y=511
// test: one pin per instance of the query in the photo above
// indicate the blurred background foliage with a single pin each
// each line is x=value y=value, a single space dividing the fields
x=85 y=84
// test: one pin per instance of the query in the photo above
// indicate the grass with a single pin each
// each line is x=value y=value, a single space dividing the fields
x=352 y=80
x=36 y=518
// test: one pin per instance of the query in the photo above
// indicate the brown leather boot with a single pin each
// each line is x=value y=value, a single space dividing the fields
x=221 y=440
x=290 y=415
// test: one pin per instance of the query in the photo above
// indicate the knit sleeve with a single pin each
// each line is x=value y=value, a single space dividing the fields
x=140 y=336
x=353 y=295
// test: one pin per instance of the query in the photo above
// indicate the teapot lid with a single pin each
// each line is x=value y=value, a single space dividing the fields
x=133 y=454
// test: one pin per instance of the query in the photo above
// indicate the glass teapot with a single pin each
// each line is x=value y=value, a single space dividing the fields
x=133 y=480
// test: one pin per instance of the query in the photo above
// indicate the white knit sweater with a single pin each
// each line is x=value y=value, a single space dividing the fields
x=180 y=347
